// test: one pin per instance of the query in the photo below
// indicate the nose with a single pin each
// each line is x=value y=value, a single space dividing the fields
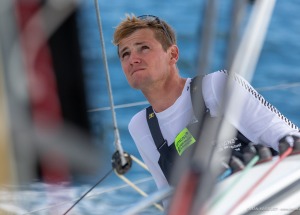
x=134 y=58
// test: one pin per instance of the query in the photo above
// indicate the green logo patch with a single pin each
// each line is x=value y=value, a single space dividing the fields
x=183 y=140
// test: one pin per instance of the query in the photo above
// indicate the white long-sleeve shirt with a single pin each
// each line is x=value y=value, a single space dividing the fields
x=260 y=122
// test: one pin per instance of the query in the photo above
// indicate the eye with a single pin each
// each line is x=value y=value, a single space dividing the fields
x=124 y=55
x=145 y=48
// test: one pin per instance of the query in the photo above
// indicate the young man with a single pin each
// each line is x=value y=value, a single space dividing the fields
x=148 y=53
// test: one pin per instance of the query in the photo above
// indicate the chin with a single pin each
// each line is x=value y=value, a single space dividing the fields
x=135 y=84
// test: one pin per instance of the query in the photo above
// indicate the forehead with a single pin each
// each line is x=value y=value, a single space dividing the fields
x=138 y=36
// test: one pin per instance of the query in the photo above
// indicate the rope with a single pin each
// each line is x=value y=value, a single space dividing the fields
x=112 y=108
x=283 y=156
x=234 y=183
x=116 y=130
x=105 y=176
x=246 y=56
x=146 y=202
x=144 y=180
x=279 y=87
x=139 y=162
x=207 y=35
x=136 y=188
x=244 y=64
x=120 y=106
x=260 y=89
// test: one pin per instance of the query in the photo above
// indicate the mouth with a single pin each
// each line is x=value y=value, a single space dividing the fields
x=137 y=70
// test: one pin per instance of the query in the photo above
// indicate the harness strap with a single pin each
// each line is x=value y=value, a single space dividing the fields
x=168 y=153
x=153 y=124
x=197 y=98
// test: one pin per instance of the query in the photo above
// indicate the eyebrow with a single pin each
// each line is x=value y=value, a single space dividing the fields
x=126 y=47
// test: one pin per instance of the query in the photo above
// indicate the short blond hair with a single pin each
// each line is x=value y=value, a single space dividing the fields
x=132 y=23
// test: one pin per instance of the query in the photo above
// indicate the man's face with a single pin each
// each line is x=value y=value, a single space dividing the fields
x=143 y=59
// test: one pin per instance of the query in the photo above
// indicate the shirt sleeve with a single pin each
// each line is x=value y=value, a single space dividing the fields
x=250 y=113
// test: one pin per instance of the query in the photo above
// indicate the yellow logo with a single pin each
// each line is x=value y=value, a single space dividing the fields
x=183 y=140
x=151 y=115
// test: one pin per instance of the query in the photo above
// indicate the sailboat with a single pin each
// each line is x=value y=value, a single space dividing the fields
x=271 y=187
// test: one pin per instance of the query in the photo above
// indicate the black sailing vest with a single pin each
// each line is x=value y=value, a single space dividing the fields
x=168 y=154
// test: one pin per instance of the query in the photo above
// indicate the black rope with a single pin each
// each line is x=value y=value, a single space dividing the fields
x=105 y=176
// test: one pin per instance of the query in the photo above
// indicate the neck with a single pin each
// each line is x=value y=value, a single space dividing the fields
x=165 y=94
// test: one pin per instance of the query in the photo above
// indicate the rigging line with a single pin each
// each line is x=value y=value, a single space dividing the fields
x=140 y=181
x=259 y=181
x=288 y=192
x=235 y=182
x=136 y=188
x=7 y=158
x=146 y=202
x=244 y=64
x=279 y=87
x=207 y=34
x=120 y=106
x=247 y=54
x=139 y=162
x=259 y=89
x=237 y=16
x=116 y=130
x=104 y=177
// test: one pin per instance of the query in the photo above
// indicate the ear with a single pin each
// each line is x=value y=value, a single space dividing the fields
x=174 y=53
